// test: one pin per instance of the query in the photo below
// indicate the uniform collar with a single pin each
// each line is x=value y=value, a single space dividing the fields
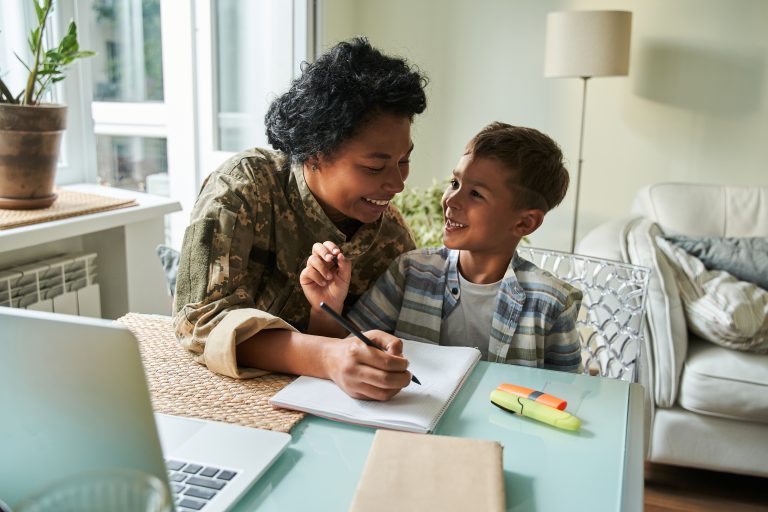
x=318 y=223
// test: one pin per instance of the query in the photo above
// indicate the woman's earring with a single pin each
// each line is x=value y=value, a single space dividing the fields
x=314 y=168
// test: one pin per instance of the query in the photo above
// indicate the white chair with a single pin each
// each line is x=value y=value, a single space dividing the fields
x=611 y=319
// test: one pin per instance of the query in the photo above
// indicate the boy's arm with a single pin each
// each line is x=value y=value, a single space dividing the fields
x=562 y=346
x=379 y=307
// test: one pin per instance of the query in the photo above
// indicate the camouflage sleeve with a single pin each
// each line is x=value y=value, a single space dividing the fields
x=214 y=258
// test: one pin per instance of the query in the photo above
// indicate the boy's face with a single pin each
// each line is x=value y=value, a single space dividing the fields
x=479 y=208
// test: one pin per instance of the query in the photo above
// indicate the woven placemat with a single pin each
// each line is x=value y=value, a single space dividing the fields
x=182 y=387
x=68 y=204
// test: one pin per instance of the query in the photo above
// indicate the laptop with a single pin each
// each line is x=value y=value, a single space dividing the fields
x=74 y=398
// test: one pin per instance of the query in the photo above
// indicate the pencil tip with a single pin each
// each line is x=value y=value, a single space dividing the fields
x=414 y=379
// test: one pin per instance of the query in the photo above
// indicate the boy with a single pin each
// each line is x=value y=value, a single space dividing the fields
x=475 y=290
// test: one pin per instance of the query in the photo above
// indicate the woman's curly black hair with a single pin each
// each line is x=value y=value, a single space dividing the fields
x=337 y=94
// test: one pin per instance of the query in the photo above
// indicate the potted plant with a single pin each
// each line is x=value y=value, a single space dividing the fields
x=30 y=131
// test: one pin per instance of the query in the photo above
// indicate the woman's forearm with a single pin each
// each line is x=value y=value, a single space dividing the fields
x=286 y=351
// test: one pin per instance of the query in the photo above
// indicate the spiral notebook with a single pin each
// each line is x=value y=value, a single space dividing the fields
x=441 y=370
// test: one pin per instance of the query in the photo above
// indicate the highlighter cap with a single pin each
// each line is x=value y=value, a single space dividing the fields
x=536 y=396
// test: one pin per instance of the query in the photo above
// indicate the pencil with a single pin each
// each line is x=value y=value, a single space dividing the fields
x=348 y=325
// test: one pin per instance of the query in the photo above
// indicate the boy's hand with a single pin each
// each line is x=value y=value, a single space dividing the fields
x=326 y=276
x=367 y=373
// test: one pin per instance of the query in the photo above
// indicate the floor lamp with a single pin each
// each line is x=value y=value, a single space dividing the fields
x=586 y=44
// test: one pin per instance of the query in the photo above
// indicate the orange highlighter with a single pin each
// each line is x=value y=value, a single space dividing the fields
x=536 y=396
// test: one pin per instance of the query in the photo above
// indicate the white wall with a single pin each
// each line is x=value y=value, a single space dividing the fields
x=694 y=107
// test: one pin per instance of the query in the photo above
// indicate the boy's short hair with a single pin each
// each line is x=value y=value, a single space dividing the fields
x=538 y=177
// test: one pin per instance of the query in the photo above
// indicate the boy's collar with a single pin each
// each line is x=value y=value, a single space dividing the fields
x=509 y=279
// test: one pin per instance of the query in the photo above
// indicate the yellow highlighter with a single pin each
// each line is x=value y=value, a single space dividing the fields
x=535 y=410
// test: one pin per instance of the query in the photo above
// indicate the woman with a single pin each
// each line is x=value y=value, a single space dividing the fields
x=342 y=135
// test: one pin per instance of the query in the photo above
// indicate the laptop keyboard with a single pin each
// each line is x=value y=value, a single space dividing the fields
x=194 y=485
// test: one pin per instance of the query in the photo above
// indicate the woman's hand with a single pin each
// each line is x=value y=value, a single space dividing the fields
x=326 y=276
x=365 y=372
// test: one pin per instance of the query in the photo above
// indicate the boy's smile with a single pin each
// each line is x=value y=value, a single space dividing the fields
x=451 y=225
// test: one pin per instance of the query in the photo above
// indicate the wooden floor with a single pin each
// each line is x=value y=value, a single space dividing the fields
x=671 y=488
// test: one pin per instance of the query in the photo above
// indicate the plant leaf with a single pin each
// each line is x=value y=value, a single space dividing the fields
x=39 y=10
x=34 y=36
x=423 y=212
x=49 y=66
x=22 y=62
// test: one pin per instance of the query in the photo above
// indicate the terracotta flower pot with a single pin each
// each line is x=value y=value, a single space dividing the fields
x=30 y=139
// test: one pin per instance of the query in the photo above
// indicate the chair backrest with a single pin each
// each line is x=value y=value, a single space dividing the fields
x=611 y=318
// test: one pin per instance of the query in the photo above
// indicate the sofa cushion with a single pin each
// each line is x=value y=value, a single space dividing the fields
x=718 y=307
x=744 y=258
x=664 y=310
x=725 y=383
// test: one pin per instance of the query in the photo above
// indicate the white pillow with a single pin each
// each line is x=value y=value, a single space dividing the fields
x=668 y=332
x=718 y=307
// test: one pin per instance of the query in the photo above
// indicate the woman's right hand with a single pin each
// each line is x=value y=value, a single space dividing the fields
x=326 y=276
x=367 y=373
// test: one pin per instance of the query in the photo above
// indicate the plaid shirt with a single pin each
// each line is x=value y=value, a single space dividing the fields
x=534 y=323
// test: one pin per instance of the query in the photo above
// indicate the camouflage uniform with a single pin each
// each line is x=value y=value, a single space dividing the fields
x=251 y=232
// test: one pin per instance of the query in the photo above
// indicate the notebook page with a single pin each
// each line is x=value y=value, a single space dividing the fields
x=416 y=408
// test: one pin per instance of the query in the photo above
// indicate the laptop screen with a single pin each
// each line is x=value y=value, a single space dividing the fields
x=73 y=398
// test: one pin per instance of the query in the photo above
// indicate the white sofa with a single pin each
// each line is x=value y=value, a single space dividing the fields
x=708 y=405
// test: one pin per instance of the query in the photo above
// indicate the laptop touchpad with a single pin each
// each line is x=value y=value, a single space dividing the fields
x=175 y=432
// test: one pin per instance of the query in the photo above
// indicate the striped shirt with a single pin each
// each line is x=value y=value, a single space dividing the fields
x=534 y=322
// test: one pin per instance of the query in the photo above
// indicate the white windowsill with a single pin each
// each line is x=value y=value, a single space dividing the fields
x=149 y=207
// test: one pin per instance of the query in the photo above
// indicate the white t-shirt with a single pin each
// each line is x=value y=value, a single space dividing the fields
x=469 y=324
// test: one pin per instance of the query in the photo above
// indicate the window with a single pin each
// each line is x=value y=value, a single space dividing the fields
x=175 y=87
x=165 y=67
x=130 y=120
x=127 y=36
x=237 y=40
x=135 y=163
x=242 y=90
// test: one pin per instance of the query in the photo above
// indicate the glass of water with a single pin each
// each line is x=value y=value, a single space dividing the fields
x=120 y=490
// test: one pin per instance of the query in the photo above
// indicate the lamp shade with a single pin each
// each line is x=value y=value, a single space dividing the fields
x=587 y=43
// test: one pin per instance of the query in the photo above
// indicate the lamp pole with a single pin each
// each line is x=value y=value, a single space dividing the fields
x=581 y=160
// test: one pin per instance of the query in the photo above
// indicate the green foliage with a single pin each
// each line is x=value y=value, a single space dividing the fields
x=48 y=65
x=423 y=212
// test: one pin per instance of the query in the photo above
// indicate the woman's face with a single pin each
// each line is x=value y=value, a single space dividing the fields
x=365 y=172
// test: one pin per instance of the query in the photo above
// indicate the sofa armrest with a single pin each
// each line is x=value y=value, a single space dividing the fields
x=607 y=241
x=633 y=240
